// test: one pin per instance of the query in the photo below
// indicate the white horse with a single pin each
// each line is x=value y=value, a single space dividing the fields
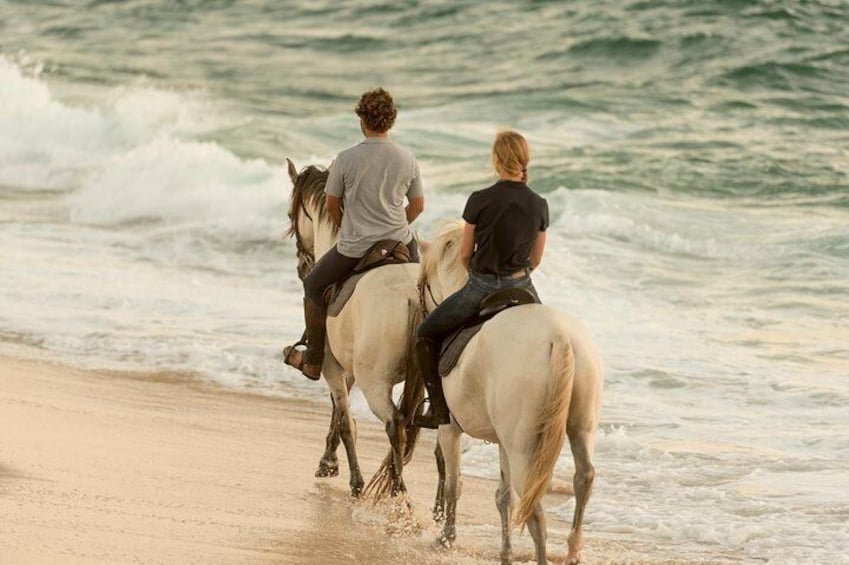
x=369 y=341
x=528 y=379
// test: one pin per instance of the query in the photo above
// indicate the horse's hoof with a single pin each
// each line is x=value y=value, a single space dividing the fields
x=444 y=541
x=573 y=560
x=438 y=515
x=357 y=489
x=325 y=470
x=398 y=489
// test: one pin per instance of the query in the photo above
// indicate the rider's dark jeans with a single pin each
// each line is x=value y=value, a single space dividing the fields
x=465 y=303
x=334 y=266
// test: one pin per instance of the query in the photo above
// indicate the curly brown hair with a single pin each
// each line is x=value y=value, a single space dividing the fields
x=377 y=110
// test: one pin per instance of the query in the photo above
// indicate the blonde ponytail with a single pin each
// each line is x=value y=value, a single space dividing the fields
x=511 y=154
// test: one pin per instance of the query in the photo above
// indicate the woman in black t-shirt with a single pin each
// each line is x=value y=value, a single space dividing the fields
x=503 y=241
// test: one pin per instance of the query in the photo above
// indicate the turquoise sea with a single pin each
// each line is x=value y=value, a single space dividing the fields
x=694 y=153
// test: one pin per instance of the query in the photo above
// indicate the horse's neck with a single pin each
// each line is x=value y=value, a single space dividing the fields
x=451 y=280
x=324 y=237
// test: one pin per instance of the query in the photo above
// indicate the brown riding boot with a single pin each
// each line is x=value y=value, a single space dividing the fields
x=427 y=354
x=309 y=361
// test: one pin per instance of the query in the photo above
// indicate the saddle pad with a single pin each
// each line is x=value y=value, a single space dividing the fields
x=498 y=301
x=339 y=295
x=453 y=347
x=386 y=252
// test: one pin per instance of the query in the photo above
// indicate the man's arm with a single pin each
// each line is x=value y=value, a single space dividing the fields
x=334 y=207
x=414 y=208
x=334 y=188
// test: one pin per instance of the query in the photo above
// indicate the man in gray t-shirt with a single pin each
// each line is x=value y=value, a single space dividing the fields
x=372 y=179
x=366 y=189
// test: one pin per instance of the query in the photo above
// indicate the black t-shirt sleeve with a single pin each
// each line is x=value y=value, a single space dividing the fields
x=473 y=209
x=543 y=225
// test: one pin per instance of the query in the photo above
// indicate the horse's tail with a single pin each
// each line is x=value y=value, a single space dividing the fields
x=410 y=406
x=552 y=429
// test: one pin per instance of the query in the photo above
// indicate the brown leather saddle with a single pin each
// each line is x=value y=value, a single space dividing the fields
x=494 y=303
x=386 y=252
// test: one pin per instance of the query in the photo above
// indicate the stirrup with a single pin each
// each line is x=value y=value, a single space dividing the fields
x=297 y=358
x=429 y=419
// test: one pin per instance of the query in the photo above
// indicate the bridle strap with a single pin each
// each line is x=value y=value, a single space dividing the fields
x=304 y=254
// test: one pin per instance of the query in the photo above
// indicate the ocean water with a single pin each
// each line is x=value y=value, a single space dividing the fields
x=695 y=156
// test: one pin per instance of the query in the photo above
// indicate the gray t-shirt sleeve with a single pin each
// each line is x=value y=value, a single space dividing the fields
x=415 y=190
x=335 y=185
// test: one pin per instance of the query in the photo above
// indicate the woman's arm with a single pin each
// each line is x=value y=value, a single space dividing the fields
x=536 y=251
x=467 y=245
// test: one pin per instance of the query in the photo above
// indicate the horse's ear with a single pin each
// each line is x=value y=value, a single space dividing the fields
x=293 y=171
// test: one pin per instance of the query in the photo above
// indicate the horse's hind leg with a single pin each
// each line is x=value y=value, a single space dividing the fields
x=397 y=439
x=503 y=501
x=582 y=452
x=537 y=527
x=520 y=465
x=439 y=503
x=449 y=439
x=338 y=383
x=379 y=398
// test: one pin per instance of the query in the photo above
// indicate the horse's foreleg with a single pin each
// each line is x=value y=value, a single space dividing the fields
x=503 y=502
x=581 y=444
x=347 y=431
x=449 y=439
x=337 y=380
x=439 y=503
x=328 y=466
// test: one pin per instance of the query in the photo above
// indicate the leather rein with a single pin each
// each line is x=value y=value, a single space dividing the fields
x=424 y=287
x=305 y=256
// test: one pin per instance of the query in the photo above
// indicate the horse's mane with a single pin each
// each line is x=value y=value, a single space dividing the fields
x=309 y=190
x=444 y=251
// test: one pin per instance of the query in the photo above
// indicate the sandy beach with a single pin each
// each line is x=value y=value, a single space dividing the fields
x=98 y=467
x=105 y=468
